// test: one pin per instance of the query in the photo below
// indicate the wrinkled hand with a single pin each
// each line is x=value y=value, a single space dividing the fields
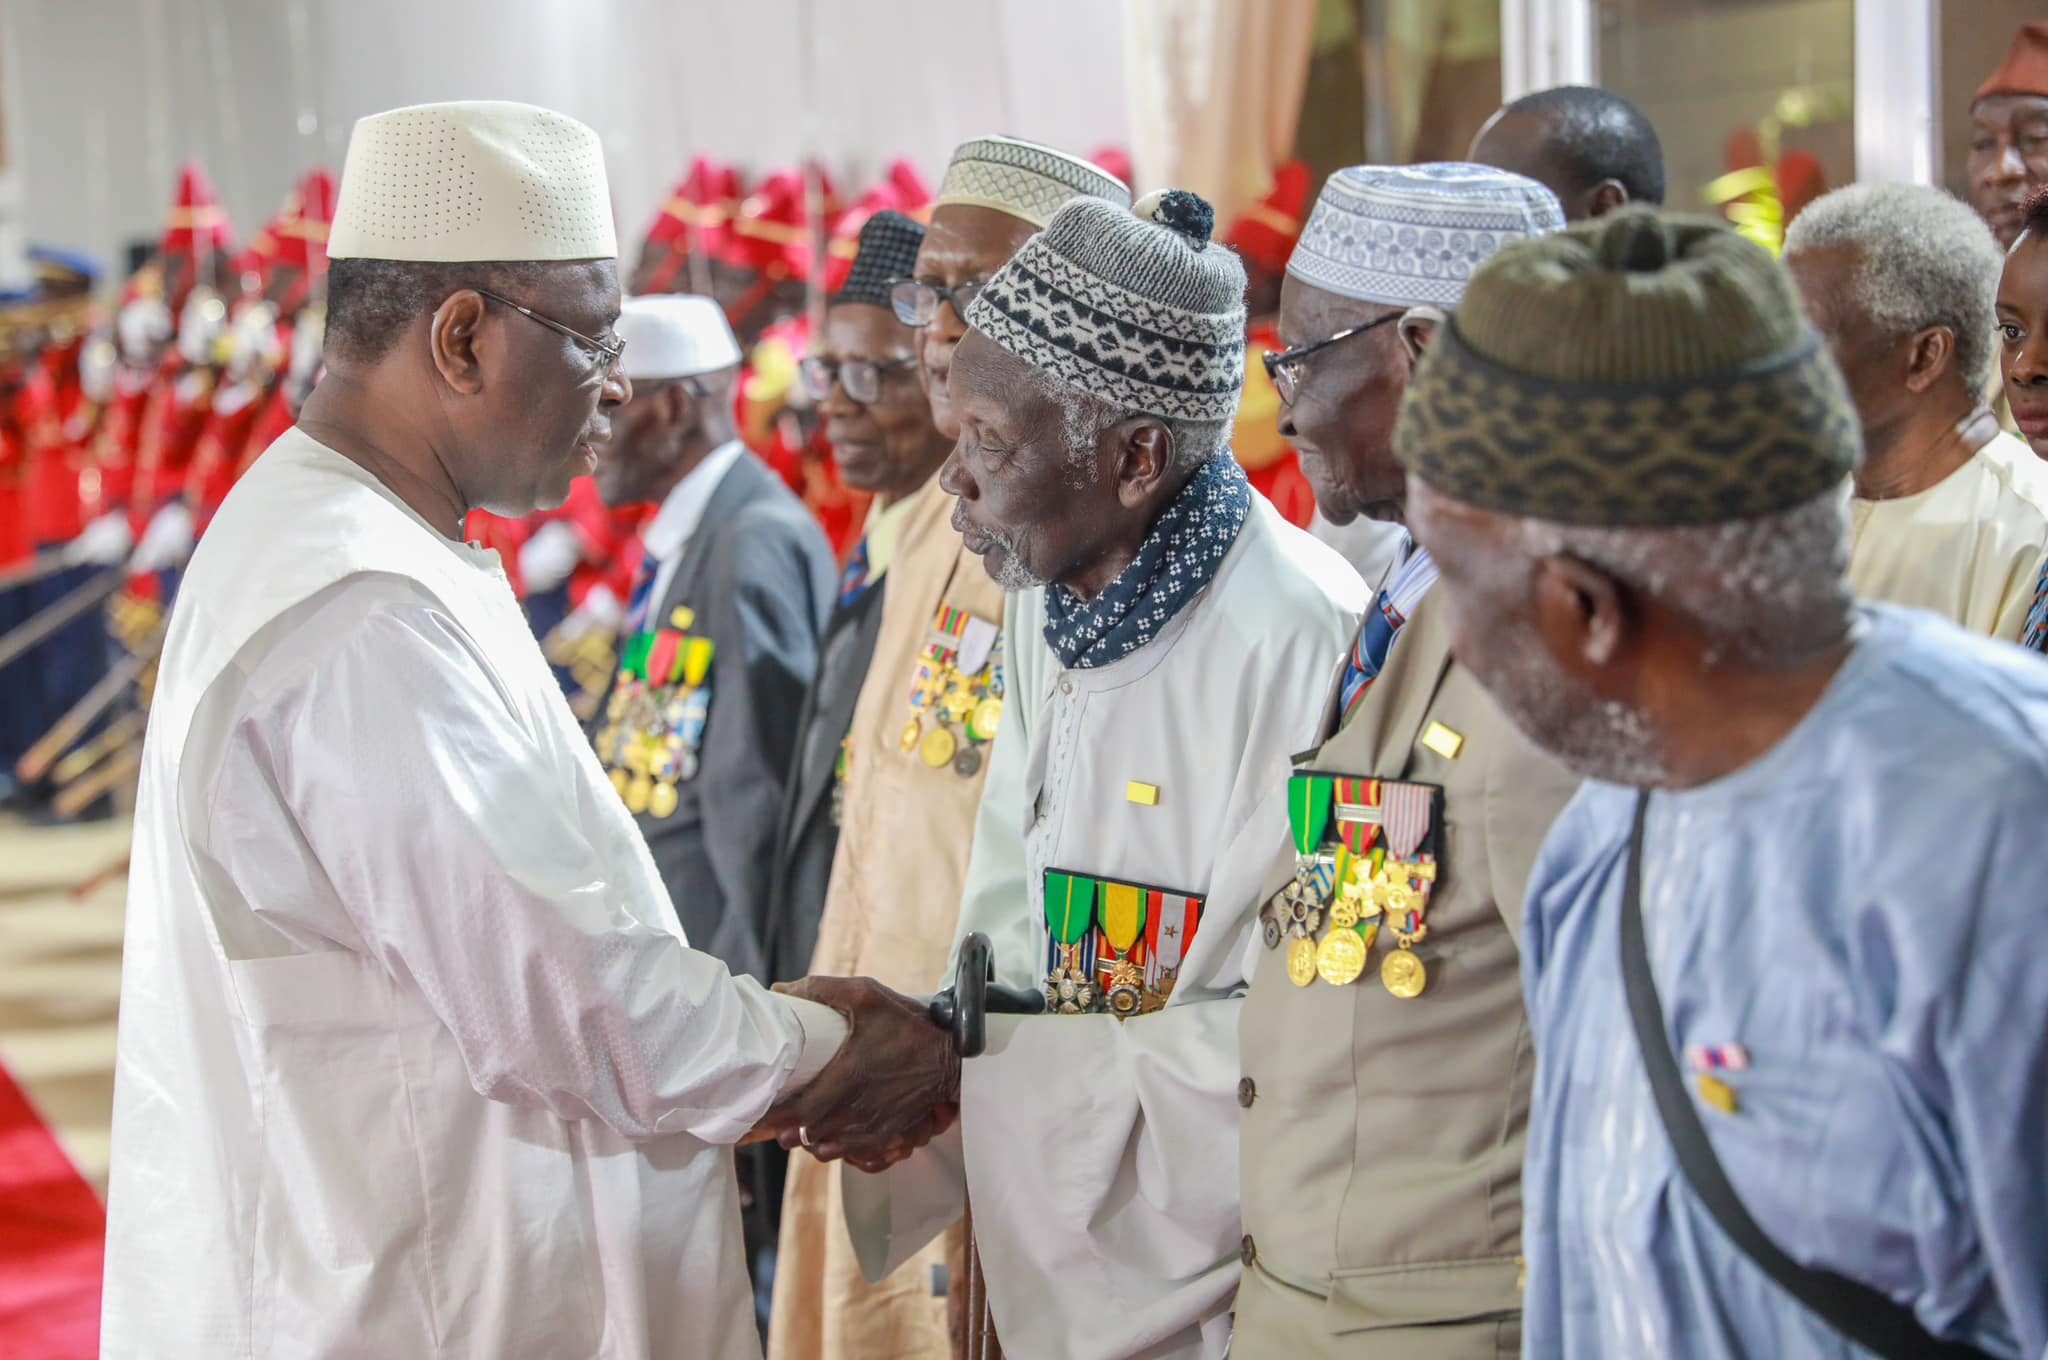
x=893 y=1086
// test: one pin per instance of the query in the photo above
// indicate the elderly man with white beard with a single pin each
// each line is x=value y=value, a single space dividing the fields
x=1171 y=638
x=1775 y=948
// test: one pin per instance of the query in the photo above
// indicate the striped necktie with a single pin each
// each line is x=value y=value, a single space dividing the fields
x=642 y=598
x=1404 y=589
x=853 y=581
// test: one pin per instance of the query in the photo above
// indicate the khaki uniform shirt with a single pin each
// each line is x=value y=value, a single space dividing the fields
x=1382 y=1138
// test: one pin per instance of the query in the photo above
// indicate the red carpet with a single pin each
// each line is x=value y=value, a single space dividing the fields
x=51 y=1231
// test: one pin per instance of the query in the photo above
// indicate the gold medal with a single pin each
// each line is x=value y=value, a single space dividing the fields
x=908 y=741
x=1340 y=958
x=620 y=779
x=662 y=801
x=1344 y=913
x=638 y=792
x=987 y=717
x=937 y=748
x=1301 y=961
x=1403 y=973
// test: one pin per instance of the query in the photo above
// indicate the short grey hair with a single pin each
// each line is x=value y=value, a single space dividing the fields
x=1927 y=260
x=1758 y=587
x=1084 y=416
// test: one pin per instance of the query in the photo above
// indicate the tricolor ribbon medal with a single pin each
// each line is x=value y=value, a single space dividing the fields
x=1405 y=882
x=1171 y=920
x=1070 y=928
x=1124 y=912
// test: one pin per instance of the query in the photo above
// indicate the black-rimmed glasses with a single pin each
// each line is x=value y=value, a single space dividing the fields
x=1284 y=368
x=607 y=355
x=862 y=378
x=916 y=303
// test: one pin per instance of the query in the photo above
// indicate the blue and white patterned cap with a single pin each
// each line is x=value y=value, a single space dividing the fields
x=1409 y=235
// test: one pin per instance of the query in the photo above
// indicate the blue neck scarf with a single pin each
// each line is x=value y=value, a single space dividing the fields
x=1176 y=562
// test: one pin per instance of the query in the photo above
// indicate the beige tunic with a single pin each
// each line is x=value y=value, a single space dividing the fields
x=889 y=915
x=1382 y=1138
x=1969 y=547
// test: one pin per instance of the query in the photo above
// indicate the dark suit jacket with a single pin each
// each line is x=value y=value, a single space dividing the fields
x=807 y=836
x=759 y=575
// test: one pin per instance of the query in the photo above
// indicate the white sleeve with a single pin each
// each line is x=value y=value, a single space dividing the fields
x=376 y=792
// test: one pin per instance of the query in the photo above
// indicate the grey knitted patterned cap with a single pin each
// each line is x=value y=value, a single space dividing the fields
x=1134 y=305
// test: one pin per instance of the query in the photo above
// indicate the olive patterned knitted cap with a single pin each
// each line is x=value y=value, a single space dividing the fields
x=1632 y=371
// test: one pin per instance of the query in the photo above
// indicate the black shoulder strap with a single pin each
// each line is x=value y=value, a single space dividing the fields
x=1860 y=1313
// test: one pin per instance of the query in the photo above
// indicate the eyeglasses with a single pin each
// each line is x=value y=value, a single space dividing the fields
x=917 y=303
x=1284 y=368
x=862 y=378
x=606 y=355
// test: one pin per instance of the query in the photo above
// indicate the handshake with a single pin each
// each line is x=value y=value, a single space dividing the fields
x=892 y=1087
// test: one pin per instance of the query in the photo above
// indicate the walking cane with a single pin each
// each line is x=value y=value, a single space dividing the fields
x=963 y=1009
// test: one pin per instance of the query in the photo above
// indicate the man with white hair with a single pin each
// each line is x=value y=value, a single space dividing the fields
x=1950 y=512
x=721 y=629
x=414 y=1059
x=1412 y=1250
x=1782 y=950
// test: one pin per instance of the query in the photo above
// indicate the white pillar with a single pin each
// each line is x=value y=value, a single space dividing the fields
x=1898 y=125
x=1545 y=43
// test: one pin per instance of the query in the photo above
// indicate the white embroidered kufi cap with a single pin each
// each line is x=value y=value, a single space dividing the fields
x=675 y=335
x=1024 y=179
x=473 y=181
x=1411 y=235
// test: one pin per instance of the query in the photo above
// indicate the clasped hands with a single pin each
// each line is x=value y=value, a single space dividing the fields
x=892 y=1087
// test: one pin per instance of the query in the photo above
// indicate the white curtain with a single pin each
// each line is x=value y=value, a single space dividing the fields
x=1215 y=90
x=111 y=95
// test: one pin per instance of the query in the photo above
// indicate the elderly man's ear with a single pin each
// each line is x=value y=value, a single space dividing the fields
x=1144 y=452
x=1928 y=356
x=1417 y=326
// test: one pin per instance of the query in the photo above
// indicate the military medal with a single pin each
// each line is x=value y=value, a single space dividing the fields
x=1301 y=961
x=937 y=747
x=1403 y=974
x=656 y=714
x=1340 y=958
x=1123 y=924
x=1172 y=920
x=958 y=688
x=987 y=716
x=1070 y=923
x=662 y=800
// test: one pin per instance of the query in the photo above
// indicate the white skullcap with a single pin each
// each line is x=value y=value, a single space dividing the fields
x=1409 y=235
x=1024 y=179
x=466 y=182
x=675 y=335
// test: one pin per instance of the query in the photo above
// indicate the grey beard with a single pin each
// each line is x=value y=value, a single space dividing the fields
x=1597 y=738
x=1013 y=576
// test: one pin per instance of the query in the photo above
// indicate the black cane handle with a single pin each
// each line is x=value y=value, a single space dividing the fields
x=964 y=1007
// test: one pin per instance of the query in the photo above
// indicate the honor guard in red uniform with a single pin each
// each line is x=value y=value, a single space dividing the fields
x=689 y=232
